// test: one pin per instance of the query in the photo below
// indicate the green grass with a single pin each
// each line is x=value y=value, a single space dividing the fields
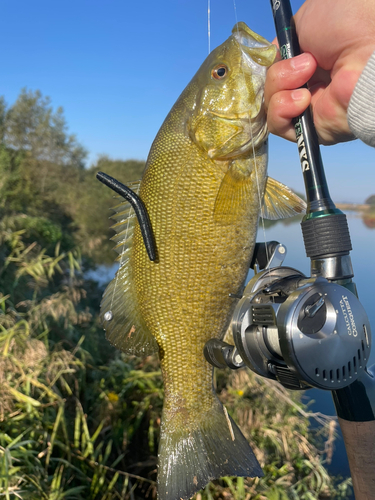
x=80 y=420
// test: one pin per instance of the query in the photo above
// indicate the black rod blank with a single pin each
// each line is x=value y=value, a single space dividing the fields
x=317 y=193
x=139 y=209
x=320 y=206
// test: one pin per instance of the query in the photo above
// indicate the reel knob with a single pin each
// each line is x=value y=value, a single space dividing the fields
x=324 y=335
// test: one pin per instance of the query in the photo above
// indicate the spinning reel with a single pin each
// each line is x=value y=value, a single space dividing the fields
x=302 y=331
x=305 y=331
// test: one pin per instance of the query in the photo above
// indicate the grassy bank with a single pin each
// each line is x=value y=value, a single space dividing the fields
x=81 y=420
x=78 y=419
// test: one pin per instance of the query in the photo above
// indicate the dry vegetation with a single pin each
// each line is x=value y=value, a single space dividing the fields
x=79 y=420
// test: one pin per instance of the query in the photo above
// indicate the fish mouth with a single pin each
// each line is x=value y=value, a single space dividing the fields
x=247 y=37
x=258 y=52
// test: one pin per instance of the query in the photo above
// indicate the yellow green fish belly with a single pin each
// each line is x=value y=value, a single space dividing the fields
x=184 y=296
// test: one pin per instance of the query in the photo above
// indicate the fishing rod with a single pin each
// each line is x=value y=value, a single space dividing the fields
x=324 y=228
x=312 y=331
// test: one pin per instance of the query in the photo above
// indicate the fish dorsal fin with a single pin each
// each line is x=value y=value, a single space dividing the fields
x=119 y=311
x=280 y=202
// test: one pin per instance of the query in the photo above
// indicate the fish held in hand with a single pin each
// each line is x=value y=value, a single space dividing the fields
x=203 y=187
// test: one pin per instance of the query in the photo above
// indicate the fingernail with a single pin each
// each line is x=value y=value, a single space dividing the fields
x=300 y=62
x=298 y=94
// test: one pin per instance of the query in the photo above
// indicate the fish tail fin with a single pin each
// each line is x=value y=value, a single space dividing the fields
x=189 y=458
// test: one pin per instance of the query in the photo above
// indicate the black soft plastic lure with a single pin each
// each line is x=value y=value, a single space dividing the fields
x=139 y=209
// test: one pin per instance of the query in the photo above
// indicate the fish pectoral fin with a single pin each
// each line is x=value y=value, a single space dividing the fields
x=234 y=189
x=280 y=202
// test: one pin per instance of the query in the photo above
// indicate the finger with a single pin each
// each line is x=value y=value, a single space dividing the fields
x=288 y=74
x=320 y=77
x=278 y=55
x=283 y=107
x=330 y=115
x=330 y=104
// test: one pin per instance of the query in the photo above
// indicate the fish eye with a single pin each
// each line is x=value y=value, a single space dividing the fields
x=219 y=72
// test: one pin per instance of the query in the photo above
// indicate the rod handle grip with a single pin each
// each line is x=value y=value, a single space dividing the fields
x=359 y=438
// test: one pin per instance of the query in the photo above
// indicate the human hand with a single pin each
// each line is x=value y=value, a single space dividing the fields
x=337 y=39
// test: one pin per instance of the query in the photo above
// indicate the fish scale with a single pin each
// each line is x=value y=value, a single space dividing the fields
x=203 y=188
x=207 y=261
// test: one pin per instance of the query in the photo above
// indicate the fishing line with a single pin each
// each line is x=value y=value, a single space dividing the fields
x=209 y=24
x=252 y=145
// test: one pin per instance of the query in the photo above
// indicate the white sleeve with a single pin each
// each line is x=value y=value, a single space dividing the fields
x=361 y=110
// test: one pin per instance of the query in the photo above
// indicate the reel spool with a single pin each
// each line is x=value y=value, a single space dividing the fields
x=303 y=332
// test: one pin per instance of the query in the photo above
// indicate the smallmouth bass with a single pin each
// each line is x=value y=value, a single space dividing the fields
x=204 y=184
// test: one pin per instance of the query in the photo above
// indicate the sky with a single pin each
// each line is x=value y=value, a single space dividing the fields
x=117 y=67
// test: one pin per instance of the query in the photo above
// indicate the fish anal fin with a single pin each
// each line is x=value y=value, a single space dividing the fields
x=280 y=202
x=190 y=458
x=121 y=319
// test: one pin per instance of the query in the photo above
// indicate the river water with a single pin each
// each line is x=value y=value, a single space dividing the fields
x=288 y=232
